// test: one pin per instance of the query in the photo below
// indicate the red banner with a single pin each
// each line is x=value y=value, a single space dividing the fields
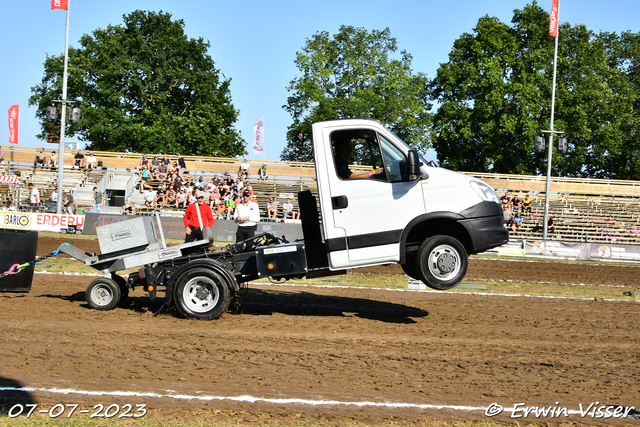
x=14 y=123
x=553 y=23
x=59 y=4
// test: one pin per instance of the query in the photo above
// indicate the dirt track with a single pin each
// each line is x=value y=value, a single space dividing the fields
x=342 y=345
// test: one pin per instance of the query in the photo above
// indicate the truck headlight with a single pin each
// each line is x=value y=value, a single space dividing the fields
x=485 y=191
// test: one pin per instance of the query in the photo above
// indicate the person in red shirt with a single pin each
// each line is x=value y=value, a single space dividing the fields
x=192 y=223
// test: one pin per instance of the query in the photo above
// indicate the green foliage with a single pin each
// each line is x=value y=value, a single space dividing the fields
x=494 y=97
x=144 y=86
x=352 y=74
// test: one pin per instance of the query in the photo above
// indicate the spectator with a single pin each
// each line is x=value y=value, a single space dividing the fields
x=161 y=196
x=1 y=155
x=150 y=198
x=272 y=208
x=171 y=196
x=182 y=164
x=52 y=203
x=34 y=198
x=53 y=160
x=161 y=172
x=516 y=204
x=69 y=204
x=526 y=204
x=216 y=180
x=247 y=216
x=91 y=161
x=507 y=216
x=287 y=210
x=98 y=199
x=155 y=163
x=9 y=207
x=505 y=200
x=550 y=225
x=144 y=164
x=201 y=183
x=131 y=209
x=517 y=222
x=194 y=223
x=214 y=198
x=230 y=204
x=78 y=160
x=181 y=199
x=262 y=172
x=144 y=177
x=244 y=168
x=40 y=159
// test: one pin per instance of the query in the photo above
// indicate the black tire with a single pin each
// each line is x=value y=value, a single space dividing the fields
x=124 y=289
x=103 y=294
x=442 y=262
x=202 y=293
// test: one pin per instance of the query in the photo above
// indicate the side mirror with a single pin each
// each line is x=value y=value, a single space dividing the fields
x=414 y=166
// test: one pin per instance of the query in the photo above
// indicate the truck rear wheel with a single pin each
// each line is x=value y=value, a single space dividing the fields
x=103 y=294
x=442 y=262
x=201 y=293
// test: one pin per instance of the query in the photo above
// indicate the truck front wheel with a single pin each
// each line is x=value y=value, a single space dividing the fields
x=201 y=293
x=442 y=262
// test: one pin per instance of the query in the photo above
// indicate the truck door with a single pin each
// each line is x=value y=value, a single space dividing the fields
x=366 y=197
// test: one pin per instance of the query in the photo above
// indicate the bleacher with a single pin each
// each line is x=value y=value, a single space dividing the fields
x=593 y=210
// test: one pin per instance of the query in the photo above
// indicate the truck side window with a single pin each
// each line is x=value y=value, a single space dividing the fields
x=395 y=161
x=356 y=148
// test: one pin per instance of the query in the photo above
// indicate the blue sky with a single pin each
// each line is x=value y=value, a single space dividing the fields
x=254 y=42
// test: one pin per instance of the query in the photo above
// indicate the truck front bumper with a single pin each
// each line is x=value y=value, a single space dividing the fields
x=483 y=222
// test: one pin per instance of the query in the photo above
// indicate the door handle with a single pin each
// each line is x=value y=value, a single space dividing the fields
x=339 y=202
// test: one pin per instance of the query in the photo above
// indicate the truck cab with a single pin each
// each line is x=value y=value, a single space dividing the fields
x=379 y=204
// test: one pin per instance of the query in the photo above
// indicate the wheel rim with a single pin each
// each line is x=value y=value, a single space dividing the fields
x=444 y=262
x=200 y=295
x=102 y=295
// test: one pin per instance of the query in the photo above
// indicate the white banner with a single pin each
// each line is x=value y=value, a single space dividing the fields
x=258 y=137
x=40 y=221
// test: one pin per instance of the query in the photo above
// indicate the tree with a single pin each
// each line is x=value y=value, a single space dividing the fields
x=351 y=75
x=145 y=87
x=494 y=97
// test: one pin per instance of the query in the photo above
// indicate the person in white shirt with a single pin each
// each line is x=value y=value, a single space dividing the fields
x=287 y=210
x=34 y=198
x=247 y=216
x=91 y=161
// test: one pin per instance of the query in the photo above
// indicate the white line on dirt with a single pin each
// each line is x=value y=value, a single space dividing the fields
x=244 y=398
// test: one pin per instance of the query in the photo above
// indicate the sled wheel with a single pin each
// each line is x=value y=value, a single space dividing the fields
x=201 y=293
x=103 y=294
x=442 y=262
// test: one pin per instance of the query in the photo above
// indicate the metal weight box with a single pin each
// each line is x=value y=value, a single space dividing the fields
x=128 y=236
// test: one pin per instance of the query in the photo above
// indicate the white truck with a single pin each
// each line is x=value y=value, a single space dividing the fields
x=378 y=203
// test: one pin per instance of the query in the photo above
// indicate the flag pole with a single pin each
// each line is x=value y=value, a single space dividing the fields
x=63 y=118
x=553 y=104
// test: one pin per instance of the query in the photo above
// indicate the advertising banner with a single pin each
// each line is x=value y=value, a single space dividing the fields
x=557 y=248
x=14 y=124
x=618 y=252
x=40 y=221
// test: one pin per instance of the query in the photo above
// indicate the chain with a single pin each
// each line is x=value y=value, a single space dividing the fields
x=17 y=268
